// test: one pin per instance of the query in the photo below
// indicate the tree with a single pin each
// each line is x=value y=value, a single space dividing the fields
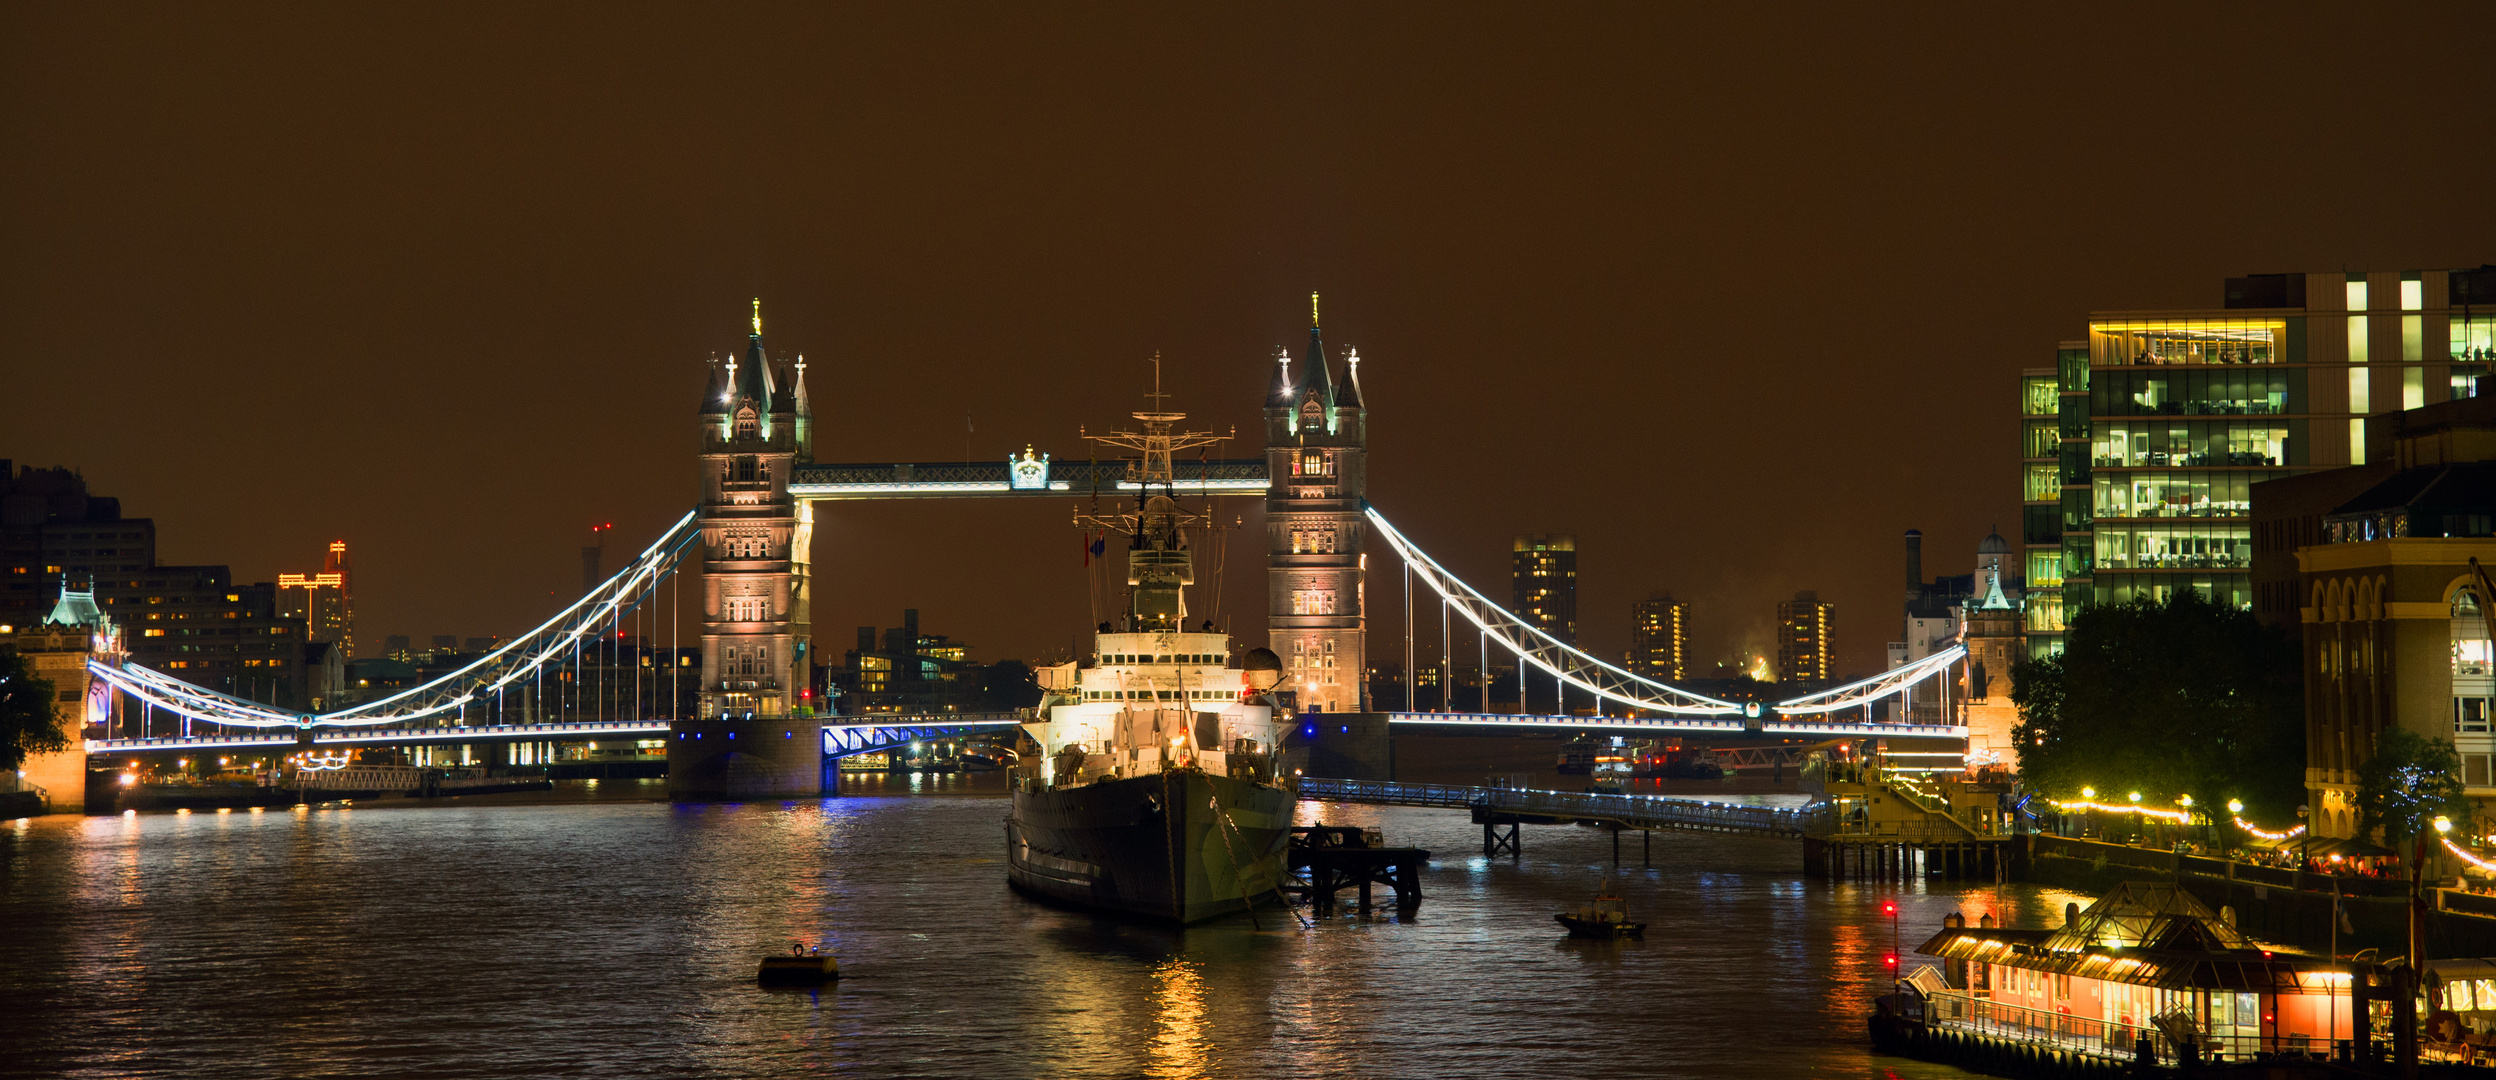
x=2410 y=781
x=2177 y=698
x=1008 y=685
x=29 y=721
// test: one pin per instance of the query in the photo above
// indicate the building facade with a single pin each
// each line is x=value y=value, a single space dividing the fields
x=1804 y=628
x=1659 y=639
x=1542 y=583
x=324 y=600
x=1317 y=449
x=2041 y=500
x=191 y=622
x=1982 y=610
x=756 y=426
x=57 y=650
x=2393 y=616
x=2172 y=416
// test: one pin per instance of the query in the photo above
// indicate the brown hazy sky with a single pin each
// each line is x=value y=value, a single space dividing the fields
x=1736 y=295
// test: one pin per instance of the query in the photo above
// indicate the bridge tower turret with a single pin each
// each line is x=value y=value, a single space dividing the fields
x=754 y=421
x=1316 y=448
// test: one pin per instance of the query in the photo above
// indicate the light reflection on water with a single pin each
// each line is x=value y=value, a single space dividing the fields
x=621 y=938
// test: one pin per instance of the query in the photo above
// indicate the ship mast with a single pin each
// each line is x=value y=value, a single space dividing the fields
x=1158 y=561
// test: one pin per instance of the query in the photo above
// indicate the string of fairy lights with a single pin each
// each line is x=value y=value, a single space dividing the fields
x=2235 y=808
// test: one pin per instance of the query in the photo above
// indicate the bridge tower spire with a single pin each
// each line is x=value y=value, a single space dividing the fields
x=754 y=537
x=1317 y=445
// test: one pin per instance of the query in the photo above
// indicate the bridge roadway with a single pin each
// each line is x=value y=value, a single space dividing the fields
x=1561 y=807
x=1678 y=725
x=842 y=735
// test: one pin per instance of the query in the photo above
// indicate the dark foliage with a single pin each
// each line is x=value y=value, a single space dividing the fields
x=2409 y=782
x=2167 y=699
x=30 y=722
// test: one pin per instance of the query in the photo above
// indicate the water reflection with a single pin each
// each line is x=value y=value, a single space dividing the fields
x=621 y=939
x=1179 y=1047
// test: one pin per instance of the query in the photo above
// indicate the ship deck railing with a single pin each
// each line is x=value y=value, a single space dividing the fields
x=1624 y=811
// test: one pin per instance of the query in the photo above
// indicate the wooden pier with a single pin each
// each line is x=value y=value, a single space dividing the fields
x=1331 y=858
x=1875 y=830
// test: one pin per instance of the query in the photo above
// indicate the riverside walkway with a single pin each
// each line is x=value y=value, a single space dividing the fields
x=1495 y=807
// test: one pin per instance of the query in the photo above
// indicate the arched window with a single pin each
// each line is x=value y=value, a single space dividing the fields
x=748 y=425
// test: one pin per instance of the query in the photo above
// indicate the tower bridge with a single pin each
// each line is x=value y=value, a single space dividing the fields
x=760 y=487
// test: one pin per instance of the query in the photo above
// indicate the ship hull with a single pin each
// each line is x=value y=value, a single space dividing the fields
x=1151 y=847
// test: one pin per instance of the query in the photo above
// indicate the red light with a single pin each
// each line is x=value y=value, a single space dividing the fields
x=1889 y=960
x=807 y=692
x=1889 y=907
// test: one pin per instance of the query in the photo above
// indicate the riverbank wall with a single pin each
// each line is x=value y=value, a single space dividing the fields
x=2270 y=903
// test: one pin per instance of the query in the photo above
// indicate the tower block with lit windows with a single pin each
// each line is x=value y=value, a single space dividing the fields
x=1316 y=445
x=756 y=428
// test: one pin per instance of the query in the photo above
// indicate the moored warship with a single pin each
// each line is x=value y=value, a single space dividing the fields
x=1156 y=788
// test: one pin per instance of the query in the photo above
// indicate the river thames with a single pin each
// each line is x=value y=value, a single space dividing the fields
x=593 y=930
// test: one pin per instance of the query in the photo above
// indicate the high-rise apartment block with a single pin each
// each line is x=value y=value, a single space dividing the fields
x=1803 y=628
x=1659 y=638
x=1543 y=583
x=322 y=600
x=2167 y=418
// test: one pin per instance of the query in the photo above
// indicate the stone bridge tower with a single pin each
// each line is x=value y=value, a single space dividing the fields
x=756 y=427
x=1316 y=449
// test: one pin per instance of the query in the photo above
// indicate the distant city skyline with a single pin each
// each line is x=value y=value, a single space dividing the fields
x=458 y=321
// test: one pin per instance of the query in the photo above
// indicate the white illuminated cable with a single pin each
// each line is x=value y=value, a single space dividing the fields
x=1888 y=682
x=1474 y=605
x=1479 y=609
x=534 y=649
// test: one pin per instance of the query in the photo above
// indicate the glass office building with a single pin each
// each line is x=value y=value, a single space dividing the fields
x=2041 y=506
x=2167 y=419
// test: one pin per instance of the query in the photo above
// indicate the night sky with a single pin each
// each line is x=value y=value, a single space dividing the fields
x=1735 y=297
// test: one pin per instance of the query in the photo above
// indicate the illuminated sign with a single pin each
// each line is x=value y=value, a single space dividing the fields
x=1027 y=473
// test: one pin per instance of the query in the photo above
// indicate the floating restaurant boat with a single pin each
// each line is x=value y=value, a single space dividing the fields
x=2147 y=973
x=1605 y=917
x=1156 y=791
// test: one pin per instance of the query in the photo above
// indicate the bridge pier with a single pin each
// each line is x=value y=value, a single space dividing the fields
x=1494 y=841
x=735 y=760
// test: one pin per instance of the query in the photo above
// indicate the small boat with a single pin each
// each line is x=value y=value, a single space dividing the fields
x=802 y=967
x=1605 y=917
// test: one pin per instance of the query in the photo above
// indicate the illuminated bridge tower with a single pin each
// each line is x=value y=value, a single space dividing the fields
x=756 y=428
x=1316 y=446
